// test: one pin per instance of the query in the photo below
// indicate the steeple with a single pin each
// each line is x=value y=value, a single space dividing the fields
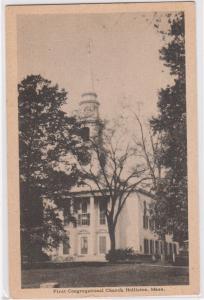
x=89 y=114
x=89 y=104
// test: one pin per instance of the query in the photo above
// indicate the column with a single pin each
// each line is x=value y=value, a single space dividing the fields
x=92 y=246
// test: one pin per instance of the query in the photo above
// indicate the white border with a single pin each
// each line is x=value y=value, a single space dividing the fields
x=200 y=97
x=3 y=166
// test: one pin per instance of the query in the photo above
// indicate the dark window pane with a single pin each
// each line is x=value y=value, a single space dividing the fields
x=170 y=248
x=84 y=206
x=146 y=246
x=151 y=246
x=83 y=219
x=66 y=246
x=102 y=212
x=85 y=132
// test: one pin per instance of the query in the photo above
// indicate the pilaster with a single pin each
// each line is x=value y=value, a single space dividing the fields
x=92 y=227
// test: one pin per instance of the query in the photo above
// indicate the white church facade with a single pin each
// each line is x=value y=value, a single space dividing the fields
x=88 y=238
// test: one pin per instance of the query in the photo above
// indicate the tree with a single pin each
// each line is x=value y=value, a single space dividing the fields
x=151 y=149
x=115 y=171
x=46 y=137
x=171 y=209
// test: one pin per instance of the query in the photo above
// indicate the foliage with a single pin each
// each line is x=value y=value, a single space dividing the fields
x=46 y=137
x=171 y=210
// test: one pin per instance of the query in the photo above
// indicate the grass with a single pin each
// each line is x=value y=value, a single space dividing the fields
x=106 y=275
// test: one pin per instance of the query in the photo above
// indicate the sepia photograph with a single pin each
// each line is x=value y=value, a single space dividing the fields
x=102 y=172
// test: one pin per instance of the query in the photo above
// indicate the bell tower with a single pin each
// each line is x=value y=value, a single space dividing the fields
x=89 y=114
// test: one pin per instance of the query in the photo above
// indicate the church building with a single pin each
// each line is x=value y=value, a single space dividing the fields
x=88 y=239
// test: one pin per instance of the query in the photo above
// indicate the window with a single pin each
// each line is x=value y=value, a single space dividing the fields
x=102 y=213
x=76 y=205
x=84 y=217
x=145 y=217
x=174 y=245
x=146 y=246
x=166 y=248
x=145 y=206
x=151 y=246
x=66 y=246
x=84 y=207
x=170 y=248
x=102 y=244
x=156 y=247
x=145 y=222
x=85 y=133
x=84 y=245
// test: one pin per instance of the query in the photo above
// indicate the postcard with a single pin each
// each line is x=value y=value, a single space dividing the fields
x=102 y=150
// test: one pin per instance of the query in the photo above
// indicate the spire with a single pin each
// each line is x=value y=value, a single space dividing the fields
x=90 y=49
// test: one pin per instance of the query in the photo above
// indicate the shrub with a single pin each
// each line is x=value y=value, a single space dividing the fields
x=61 y=259
x=34 y=258
x=120 y=254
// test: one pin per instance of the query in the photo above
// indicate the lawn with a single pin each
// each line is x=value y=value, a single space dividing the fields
x=106 y=275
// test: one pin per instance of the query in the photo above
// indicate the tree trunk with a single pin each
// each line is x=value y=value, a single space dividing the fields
x=112 y=240
x=111 y=230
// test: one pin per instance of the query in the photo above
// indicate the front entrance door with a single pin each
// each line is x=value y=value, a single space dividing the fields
x=84 y=245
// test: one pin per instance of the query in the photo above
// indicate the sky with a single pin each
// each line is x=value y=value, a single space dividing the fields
x=115 y=55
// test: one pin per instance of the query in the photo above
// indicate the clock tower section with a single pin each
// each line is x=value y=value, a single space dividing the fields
x=89 y=115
